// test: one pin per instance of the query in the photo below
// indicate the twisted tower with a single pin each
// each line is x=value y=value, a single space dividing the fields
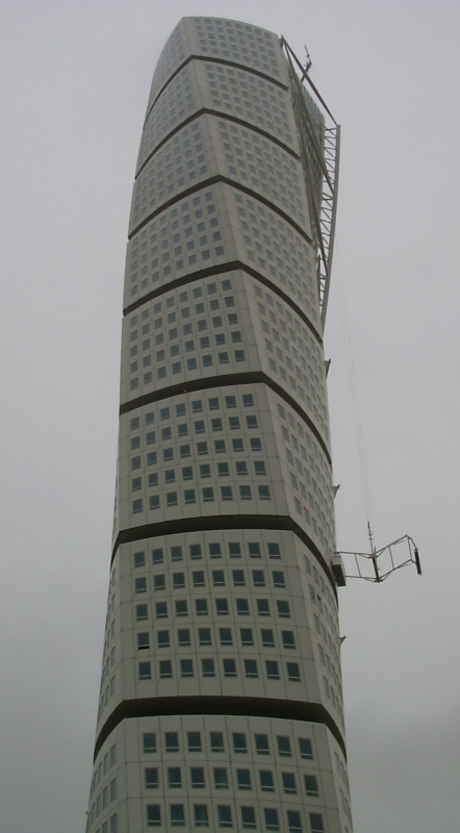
x=220 y=702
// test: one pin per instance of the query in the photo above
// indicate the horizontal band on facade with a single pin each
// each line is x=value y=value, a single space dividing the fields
x=207 y=183
x=206 y=705
x=279 y=523
x=222 y=269
x=221 y=115
x=208 y=383
x=210 y=60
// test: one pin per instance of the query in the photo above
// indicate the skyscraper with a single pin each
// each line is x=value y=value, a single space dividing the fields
x=220 y=702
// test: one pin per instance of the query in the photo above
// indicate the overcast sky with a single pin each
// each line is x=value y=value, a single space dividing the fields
x=75 y=79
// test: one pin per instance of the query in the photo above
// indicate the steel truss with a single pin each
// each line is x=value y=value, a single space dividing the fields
x=320 y=157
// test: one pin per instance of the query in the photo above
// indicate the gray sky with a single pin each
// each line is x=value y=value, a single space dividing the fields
x=75 y=79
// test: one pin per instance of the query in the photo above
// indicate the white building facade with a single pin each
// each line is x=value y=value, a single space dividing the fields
x=220 y=703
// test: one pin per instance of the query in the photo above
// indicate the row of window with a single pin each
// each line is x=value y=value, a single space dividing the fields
x=221 y=779
x=204 y=637
x=219 y=577
x=208 y=495
x=170 y=742
x=196 y=552
x=229 y=668
x=224 y=818
x=186 y=330
x=200 y=426
x=237 y=447
x=215 y=550
x=242 y=607
x=166 y=414
x=207 y=360
x=204 y=471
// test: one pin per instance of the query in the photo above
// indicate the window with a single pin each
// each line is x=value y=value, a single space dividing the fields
x=194 y=741
x=225 y=636
x=278 y=578
x=262 y=607
x=266 y=781
x=197 y=777
x=222 y=607
x=258 y=578
x=140 y=585
x=288 y=639
x=200 y=812
x=178 y=581
x=143 y=641
x=204 y=636
x=239 y=742
x=177 y=815
x=161 y=610
x=149 y=742
x=238 y=578
x=145 y=671
x=139 y=559
x=262 y=747
x=153 y=815
x=254 y=549
x=217 y=741
x=224 y=815
x=141 y=612
x=151 y=778
x=264 y=492
x=248 y=818
x=259 y=467
x=176 y=553
x=201 y=607
x=218 y=578
x=242 y=607
x=311 y=785
x=174 y=777
x=198 y=578
x=283 y=609
x=157 y=556
x=172 y=741
x=293 y=671
x=186 y=668
x=229 y=667
x=246 y=636
x=305 y=748
x=284 y=746
x=250 y=668
x=271 y=819
x=220 y=778
x=272 y=669
x=165 y=669
x=159 y=583
x=245 y=493
x=294 y=823
x=289 y=784
x=208 y=668
x=181 y=608
x=214 y=550
x=316 y=823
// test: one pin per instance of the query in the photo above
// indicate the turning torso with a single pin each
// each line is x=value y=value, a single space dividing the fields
x=220 y=703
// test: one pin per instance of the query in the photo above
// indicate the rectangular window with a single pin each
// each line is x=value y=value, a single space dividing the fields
x=243 y=777
x=306 y=749
x=263 y=607
x=151 y=778
x=283 y=609
x=174 y=777
x=238 y=578
x=220 y=778
x=197 y=777
x=186 y=668
x=246 y=636
x=201 y=607
x=177 y=815
x=250 y=668
x=183 y=637
x=153 y=815
x=225 y=636
x=289 y=785
x=271 y=819
x=222 y=607
x=266 y=781
x=165 y=668
x=293 y=672
x=248 y=818
x=217 y=741
x=224 y=815
x=204 y=636
x=311 y=785
x=268 y=639
x=288 y=639
x=284 y=746
x=200 y=812
x=194 y=741
x=208 y=669
x=294 y=822
x=242 y=607
x=316 y=823
x=181 y=608
x=239 y=742
x=149 y=742
x=145 y=671
x=229 y=668
x=262 y=747
x=172 y=741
